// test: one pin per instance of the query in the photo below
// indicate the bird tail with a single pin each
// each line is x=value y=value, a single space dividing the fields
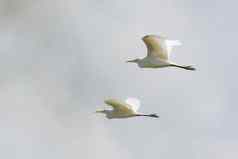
x=191 y=68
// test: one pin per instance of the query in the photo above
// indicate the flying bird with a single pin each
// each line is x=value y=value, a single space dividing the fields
x=123 y=109
x=158 y=51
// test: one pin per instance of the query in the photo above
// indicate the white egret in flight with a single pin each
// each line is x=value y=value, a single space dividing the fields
x=123 y=109
x=158 y=51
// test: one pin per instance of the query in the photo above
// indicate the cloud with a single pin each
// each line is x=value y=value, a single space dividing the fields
x=60 y=59
x=36 y=122
x=41 y=117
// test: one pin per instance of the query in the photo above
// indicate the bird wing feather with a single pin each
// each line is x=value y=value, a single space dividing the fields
x=119 y=106
x=134 y=103
x=171 y=44
x=158 y=46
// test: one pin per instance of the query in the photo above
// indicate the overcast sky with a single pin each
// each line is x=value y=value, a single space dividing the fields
x=60 y=59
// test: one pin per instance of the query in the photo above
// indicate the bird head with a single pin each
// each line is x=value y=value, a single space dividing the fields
x=134 y=61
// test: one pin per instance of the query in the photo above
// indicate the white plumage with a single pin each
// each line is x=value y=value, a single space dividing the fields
x=158 y=52
x=122 y=109
x=133 y=103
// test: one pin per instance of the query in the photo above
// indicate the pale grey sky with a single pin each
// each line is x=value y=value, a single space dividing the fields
x=60 y=59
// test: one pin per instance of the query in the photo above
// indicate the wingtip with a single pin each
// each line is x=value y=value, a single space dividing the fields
x=160 y=36
x=110 y=101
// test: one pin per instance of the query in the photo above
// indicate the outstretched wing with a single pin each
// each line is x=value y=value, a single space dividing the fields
x=171 y=44
x=119 y=105
x=158 y=46
x=134 y=103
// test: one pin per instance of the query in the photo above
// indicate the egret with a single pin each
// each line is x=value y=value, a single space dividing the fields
x=123 y=109
x=158 y=51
